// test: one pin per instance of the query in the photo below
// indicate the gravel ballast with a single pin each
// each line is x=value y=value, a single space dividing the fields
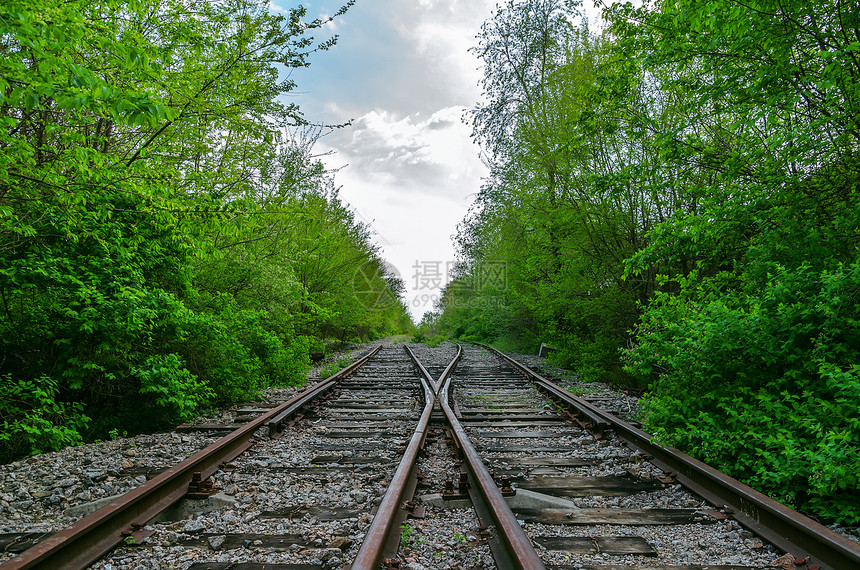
x=46 y=493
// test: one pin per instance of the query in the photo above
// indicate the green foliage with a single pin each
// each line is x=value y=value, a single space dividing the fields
x=33 y=420
x=431 y=341
x=167 y=239
x=427 y=330
x=407 y=537
x=750 y=345
x=767 y=386
x=682 y=186
x=333 y=368
x=571 y=192
x=177 y=393
x=114 y=434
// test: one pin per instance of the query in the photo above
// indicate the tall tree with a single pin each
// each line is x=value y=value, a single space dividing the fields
x=756 y=335
x=576 y=182
x=143 y=145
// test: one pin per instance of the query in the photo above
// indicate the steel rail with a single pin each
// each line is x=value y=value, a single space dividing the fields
x=84 y=542
x=381 y=537
x=784 y=527
x=521 y=553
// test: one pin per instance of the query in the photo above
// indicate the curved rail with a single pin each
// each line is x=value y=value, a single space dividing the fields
x=785 y=528
x=520 y=553
x=380 y=537
x=91 y=537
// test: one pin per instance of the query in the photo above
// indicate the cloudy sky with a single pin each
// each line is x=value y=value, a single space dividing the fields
x=402 y=73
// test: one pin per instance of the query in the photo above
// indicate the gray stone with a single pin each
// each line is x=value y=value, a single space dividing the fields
x=329 y=553
x=193 y=526
x=187 y=508
x=87 y=508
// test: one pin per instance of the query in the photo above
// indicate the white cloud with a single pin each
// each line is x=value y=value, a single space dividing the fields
x=402 y=72
x=411 y=178
x=442 y=32
x=432 y=155
x=328 y=22
x=276 y=7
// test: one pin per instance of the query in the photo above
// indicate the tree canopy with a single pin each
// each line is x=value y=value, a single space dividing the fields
x=674 y=203
x=168 y=241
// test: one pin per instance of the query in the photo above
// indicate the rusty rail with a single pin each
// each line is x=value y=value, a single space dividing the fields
x=519 y=552
x=91 y=537
x=785 y=528
x=383 y=536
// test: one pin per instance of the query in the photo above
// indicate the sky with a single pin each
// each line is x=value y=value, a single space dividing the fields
x=403 y=74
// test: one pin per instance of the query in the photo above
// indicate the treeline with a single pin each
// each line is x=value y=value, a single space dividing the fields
x=673 y=203
x=168 y=240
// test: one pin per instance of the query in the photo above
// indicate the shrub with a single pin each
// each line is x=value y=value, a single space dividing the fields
x=173 y=393
x=763 y=383
x=33 y=420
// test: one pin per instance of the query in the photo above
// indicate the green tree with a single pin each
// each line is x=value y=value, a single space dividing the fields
x=750 y=344
x=150 y=192
x=576 y=182
x=693 y=169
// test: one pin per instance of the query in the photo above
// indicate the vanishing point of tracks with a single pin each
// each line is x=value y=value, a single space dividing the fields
x=553 y=481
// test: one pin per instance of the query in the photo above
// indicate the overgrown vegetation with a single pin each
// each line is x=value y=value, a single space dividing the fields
x=168 y=241
x=673 y=203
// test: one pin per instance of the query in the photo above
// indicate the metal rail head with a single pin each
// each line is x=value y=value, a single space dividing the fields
x=785 y=528
x=520 y=550
x=384 y=523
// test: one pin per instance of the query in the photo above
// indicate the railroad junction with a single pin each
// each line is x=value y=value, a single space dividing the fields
x=411 y=457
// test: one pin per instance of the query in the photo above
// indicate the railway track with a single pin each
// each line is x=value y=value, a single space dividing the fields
x=301 y=500
x=582 y=501
x=588 y=502
x=439 y=458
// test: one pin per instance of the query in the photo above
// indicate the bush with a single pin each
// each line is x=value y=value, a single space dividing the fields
x=763 y=382
x=33 y=420
x=174 y=394
x=235 y=351
x=215 y=354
